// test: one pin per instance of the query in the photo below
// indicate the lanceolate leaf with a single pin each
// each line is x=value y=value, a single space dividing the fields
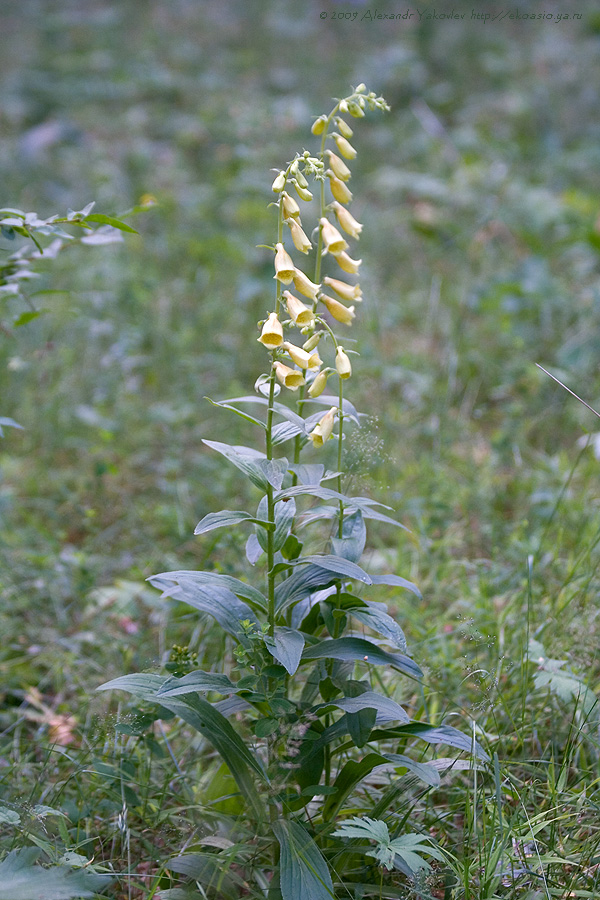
x=374 y=615
x=301 y=582
x=398 y=581
x=144 y=686
x=354 y=535
x=165 y=580
x=336 y=564
x=385 y=706
x=226 y=518
x=245 y=459
x=196 y=681
x=433 y=734
x=308 y=474
x=238 y=412
x=425 y=771
x=110 y=220
x=351 y=774
x=303 y=873
x=286 y=647
x=361 y=649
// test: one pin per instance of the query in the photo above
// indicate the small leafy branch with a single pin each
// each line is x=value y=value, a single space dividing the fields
x=314 y=715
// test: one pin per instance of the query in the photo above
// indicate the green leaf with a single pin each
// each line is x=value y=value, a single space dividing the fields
x=226 y=518
x=9 y=816
x=300 y=583
x=26 y=317
x=360 y=724
x=6 y=422
x=139 y=684
x=426 y=772
x=433 y=734
x=286 y=647
x=264 y=727
x=375 y=616
x=362 y=649
x=196 y=681
x=238 y=412
x=336 y=564
x=303 y=873
x=209 y=870
x=354 y=535
x=20 y=879
x=210 y=579
x=243 y=458
x=385 y=706
x=349 y=776
x=403 y=852
x=397 y=581
x=100 y=219
x=308 y=474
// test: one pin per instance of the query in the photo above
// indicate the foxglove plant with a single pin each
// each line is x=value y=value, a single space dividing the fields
x=310 y=727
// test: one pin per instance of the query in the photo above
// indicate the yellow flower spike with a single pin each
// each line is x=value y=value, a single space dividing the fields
x=342 y=363
x=322 y=430
x=291 y=210
x=290 y=378
x=304 y=285
x=301 y=241
x=279 y=183
x=318 y=385
x=297 y=310
x=339 y=190
x=345 y=291
x=341 y=313
x=344 y=127
x=318 y=126
x=332 y=239
x=347 y=221
x=284 y=266
x=313 y=341
x=344 y=146
x=302 y=192
x=338 y=166
x=302 y=359
x=271 y=335
x=347 y=264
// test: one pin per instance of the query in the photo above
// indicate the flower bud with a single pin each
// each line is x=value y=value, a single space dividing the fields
x=339 y=190
x=338 y=166
x=344 y=127
x=291 y=210
x=318 y=385
x=279 y=183
x=347 y=264
x=342 y=363
x=345 y=291
x=290 y=378
x=322 y=430
x=284 y=266
x=341 y=313
x=344 y=146
x=312 y=342
x=298 y=312
x=347 y=221
x=302 y=192
x=301 y=242
x=318 y=126
x=343 y=106
x=300 y=178
x=303 y=284
x=302 y=359
x=355 y=110
x=332 y=239
x=271 y=335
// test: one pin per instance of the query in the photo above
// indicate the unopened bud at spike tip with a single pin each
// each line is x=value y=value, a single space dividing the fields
x=318 y=385
x=271 y=335
x=291 y=210
x=318 y=126
x=302 y=192
x=313 y=341
x=344 y=128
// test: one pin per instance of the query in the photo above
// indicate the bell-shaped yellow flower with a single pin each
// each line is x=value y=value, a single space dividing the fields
x=338 y=166
x=279 y=183
x=318 y=385
x=301 y=242
x=299 y=313
x=344 y=290
x=291 y=210
x=347 y=221
x=271 y=335
x=344 y=146
x=342 y=363
x=332 y=239
x=303 y=284
x=302 y=359
x=322 y=430
x=284 y=266
x=290 y=378
x=347 y=264
x=339 y=190
x=341 y=313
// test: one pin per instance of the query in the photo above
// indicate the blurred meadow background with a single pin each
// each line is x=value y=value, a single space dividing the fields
x=480 y=196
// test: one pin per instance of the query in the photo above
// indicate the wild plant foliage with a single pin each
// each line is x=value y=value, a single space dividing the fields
x=307 y=709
